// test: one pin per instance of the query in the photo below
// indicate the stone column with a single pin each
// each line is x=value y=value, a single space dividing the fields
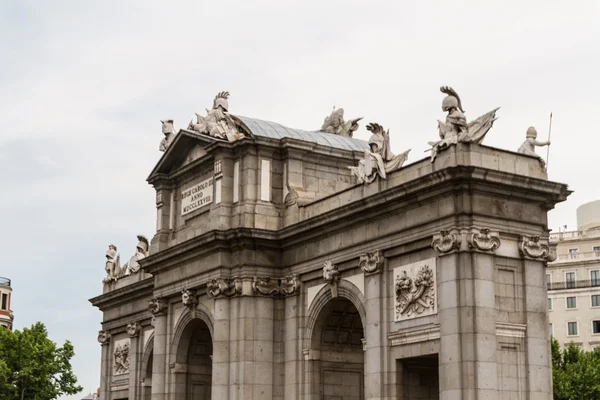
x=133 y=330
x=467 y=314
x=158 y=308
x=221 y=343
x=164 y=217
x=104 y=340
x=291 y=349
x=372 y=265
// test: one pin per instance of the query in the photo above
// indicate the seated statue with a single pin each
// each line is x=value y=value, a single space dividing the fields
x=456 y=129
x=528 y=146
x=379 y=159
x=335 y=124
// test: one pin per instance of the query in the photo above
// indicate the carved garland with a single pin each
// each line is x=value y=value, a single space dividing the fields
x=483 y=239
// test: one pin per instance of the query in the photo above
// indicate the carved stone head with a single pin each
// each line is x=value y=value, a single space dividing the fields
x=167 y=127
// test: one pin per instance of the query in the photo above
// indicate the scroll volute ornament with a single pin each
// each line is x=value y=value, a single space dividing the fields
x=276 y=287
x=157 y=306
x=227 y=287
x=446 y=241
x=371 y=262
x=533 y=247
x=483 y=239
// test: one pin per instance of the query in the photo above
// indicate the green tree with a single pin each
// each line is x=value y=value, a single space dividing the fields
x=32 y=367
x=575 y=373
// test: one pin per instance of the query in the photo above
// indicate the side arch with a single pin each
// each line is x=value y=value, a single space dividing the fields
x=346 y=290
x=147 y=355
x=202 y=313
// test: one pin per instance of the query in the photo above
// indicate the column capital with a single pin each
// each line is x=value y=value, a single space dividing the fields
x=133 y=329
x=447 y=241
x=103 y=337
x=483 y=239
x=371 y=262
x=157 y=306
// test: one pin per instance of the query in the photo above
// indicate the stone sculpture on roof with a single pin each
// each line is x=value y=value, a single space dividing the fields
x=141 y=252
x=218 y=123
x=456 y=129
x=335 y=124
x=113 y=265
x=528 y=146
x=169 y=131
x=379 y=160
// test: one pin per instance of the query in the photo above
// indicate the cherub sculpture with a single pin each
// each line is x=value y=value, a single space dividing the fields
x=379 y=160
x=217 y=123
x=456 y=129
x=141 y=252
x=169 y=131
x=528 y=146
x=113 y=265
x=335 y=124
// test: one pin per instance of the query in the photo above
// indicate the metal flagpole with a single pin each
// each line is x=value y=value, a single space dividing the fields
x=549 y=132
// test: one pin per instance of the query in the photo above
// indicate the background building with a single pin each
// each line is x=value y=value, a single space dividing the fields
x=6 y=315
x=573 y=281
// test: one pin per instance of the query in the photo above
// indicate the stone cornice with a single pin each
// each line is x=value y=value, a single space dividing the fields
x=414 y=335
x=125 y=294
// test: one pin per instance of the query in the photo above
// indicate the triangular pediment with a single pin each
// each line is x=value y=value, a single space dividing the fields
x=187 y=147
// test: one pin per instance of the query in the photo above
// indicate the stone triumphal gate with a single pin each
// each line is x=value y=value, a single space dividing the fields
x=290 y=264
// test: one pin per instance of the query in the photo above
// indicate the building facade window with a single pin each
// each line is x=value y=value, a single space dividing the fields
x=4 y=301
x=595 y=278
x=548 y=281
x=549 y=304
x=596 y=327
x=572 y=328
x=596 y=300
x=570 y=279
x=571 y=302
x=550 y=329
x=597 y=250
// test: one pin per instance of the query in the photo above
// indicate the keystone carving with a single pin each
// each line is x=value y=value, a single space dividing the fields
x=415 y=296
x=133 y=330
x=227 y=287
x=484 y=240
x=532 y=247
x=103 y=337
x=371 y=262
x=121 y=357
x=189 y=298
x=445 y=242
x=275 y=287
x=332 y=276
x=157 y=306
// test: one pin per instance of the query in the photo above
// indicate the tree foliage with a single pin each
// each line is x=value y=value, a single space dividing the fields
x=575 y=373
x=32 y=367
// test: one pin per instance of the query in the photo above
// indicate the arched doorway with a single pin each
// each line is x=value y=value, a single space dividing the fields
x=193 y=365
x=337 y=342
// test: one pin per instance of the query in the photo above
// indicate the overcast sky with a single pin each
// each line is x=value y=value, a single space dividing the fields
x=83 y=85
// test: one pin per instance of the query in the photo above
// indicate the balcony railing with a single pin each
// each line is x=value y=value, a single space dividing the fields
x=4 y=281
x=591 y=255
x=574 y=235
x=579 y=284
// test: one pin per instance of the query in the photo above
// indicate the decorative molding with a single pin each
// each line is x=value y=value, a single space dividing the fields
x=103 y=337
x=415 y=290
x=189 y=298
x=446 y=241
x=227 y=287
x=276 y=287
x=121 y=358
x=157 y=306
x=483 y=239
x=133 y=329
x=364 y=343
x=371 y=262
x=511 y=330
x=332 y=276
x=534 y=248
x=218 y=168
x=420 y=334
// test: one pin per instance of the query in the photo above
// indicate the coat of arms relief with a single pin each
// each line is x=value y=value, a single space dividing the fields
x=415 y=290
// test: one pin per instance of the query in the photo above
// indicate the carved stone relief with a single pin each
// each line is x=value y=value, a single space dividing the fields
x=103 y=337
x=535 y=248
x=446 y=241
x=157 y=306
x=371 y=262
x=267 y=286
x=133 y=329
x=227 y=287
x=416 y=290
x=332 y=276
x=121 y=358
x=483 y=239
x=189 y=298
